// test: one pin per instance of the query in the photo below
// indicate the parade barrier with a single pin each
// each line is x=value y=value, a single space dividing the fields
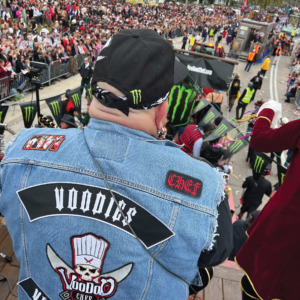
x=9 y=86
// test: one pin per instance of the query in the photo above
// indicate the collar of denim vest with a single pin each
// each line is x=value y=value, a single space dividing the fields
x=97 y=124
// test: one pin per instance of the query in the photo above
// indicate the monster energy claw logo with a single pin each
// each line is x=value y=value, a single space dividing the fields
x=28 y=111
x=282 y=177
x=208 y=117
x=55 y=108
x=90 y=93
x=0 y=116
x=220 y=130
x=76 y=100
x=258 y=164
x=235 y=146
x=136 y=96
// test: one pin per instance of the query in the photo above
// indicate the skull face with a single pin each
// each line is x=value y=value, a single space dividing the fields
x=87 y=272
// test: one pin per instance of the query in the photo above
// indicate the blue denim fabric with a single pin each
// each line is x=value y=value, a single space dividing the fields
x=135 y=165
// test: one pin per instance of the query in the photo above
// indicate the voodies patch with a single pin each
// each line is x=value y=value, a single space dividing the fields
x=184 y=184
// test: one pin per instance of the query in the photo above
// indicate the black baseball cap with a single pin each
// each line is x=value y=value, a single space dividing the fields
x=141 y=64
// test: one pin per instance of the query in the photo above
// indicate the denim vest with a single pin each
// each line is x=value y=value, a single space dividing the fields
x=69 y=234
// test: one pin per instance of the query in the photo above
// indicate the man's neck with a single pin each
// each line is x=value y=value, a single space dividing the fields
x=143 y=120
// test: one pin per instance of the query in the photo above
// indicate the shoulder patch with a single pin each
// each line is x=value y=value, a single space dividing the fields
x=44 y=142
x=184 y=184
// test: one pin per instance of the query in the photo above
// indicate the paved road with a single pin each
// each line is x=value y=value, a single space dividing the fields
x=274 y=87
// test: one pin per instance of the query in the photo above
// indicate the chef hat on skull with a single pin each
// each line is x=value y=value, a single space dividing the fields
x=89 y=250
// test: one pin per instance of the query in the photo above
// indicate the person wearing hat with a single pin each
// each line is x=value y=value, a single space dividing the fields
x=118 y=210
x=67 y=121
x=246 y=97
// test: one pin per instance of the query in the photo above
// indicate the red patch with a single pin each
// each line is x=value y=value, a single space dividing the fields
x=184 y=184
x=44 y=142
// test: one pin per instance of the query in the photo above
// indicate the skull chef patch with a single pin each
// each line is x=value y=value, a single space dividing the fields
x=85 y=281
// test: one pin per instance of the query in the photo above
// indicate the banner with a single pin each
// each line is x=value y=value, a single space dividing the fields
x=259 y=162
x=199 y=105
x=88 y=90
x=55 y=106
x=28 y=111
x=209 y=117
x=281 y=173
x=221 y=130
x=75 y=96
x=3 y=111
x=181 y=103
x=236 y=146
x=209 y=73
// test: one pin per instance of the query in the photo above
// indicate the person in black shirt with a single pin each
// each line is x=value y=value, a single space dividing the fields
x=212 y=153
x=257 y=82
x=239 y=233
x=255 y=190
x=233 y=91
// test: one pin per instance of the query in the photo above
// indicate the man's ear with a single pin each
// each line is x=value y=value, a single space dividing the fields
x=161 y=113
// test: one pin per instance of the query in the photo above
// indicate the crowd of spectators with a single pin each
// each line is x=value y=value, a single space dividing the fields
x=54 y=31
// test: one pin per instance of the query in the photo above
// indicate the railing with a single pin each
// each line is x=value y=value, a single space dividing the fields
x=9 y=86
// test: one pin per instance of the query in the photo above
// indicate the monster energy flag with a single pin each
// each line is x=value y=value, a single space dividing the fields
x=75 y=96
x=181 y=103
x=210 y=73
x=3 y=111
x=199 y=105
x=88 y=90
x=28 y=111
x=209 y=117
x=236 y=146
x=281 y=173
x=221 y=130
x=55 y=106
x=259 y=162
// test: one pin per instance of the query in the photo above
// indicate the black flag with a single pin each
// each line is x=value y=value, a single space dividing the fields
x=28 y=111
x=210 y=73
x=75 y=96
x=235 y=146
x=55 y=106
x=221 y=130
x=259 y=162
x=209 y=117
x=281 y=173
x=3 y=111
x=199 y=105
x=181 y=103
x=88 y=90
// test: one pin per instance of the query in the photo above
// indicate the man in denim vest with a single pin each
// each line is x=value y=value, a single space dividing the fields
x=110 y=211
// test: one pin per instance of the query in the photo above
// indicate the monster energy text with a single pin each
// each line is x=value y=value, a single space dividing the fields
x=136 y=96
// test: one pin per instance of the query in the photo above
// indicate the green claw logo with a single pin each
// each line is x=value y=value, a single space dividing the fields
x=208 y=117
x=282 y=177
x=258 y=164
x=235 y=146
x=221 y=129
x=28 y=111
x=55 y=108
x=76 y=100
x=136 y=96
x=0 y=116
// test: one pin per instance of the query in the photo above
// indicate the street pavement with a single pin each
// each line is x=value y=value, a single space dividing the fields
x=274 y=87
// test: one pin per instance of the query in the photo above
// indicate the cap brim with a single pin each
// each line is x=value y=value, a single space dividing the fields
x=180 y=71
